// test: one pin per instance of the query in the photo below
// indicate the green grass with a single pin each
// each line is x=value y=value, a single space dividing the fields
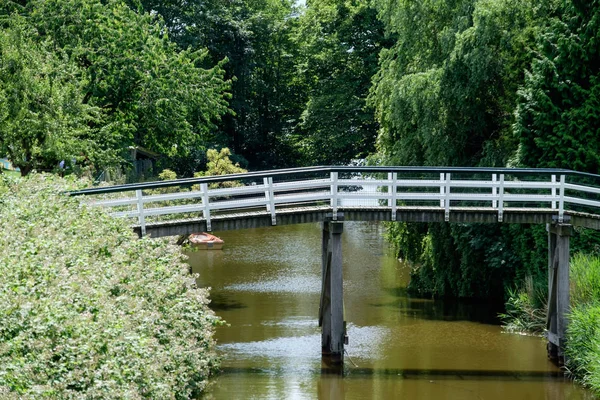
x=583 y=335
x=526 y=308
x=585 y=278
x=11 y=173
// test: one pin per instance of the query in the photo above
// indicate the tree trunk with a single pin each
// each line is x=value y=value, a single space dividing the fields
x=25 y=169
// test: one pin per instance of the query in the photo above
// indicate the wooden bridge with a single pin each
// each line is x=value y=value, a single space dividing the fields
x=558 y=198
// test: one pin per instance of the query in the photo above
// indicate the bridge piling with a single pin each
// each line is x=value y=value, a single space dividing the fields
x=331 y=311
x=558 y=289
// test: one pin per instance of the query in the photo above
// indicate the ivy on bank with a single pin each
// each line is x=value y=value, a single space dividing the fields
x=90 y=311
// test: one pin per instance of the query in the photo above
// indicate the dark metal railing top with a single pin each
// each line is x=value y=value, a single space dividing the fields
x=328 y=169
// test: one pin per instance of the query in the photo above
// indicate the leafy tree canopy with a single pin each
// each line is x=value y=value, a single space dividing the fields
x=340 y=41
x=445 y=94
x=43 y=118
x=558 y=116
x=149 y=92
x=445 y=91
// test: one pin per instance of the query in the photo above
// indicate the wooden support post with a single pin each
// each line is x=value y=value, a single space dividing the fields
x=331 y=314
x=551 y=316
x=558 y=289
x=324 y=306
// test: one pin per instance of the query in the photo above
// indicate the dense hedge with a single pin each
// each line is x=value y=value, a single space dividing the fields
x=89 y=311
x=583 y=335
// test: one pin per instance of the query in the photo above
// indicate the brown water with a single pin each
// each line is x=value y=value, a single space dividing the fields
x=266 y=285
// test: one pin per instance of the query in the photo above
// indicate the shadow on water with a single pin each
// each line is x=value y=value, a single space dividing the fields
x=219 y=302
x=446 y=309
x=345 y=371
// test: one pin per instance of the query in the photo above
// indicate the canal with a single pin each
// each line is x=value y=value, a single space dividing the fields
x=266 y=285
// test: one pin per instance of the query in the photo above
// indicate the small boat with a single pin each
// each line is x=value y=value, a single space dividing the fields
x=206 y=241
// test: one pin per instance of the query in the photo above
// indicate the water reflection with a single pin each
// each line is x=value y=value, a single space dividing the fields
x=266 y=285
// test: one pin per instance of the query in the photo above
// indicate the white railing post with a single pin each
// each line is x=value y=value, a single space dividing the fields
x=334 y=192
x=270 y=197
x=442 y=179
x=554 y=191
x=389 y=189
x=140 y=208
x=501 y=199
x=206 y=207
x=447 y=198
x=392 y=191
x=561 y=201
x=494 y=190
x=267 y=194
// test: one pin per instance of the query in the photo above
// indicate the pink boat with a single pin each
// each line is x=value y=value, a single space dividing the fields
x=206 y=241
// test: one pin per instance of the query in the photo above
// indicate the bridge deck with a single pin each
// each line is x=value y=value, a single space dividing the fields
x=301 y=215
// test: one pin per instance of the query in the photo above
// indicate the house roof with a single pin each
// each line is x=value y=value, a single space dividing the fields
x=145 y=152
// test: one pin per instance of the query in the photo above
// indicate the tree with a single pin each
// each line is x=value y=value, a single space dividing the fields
x=43 y=118
x=558 y=116
x=219 y=163
x=151 y=93
x=445 y=95
x=256 y=39
x=340 y=40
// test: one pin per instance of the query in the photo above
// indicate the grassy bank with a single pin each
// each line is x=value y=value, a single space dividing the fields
x=10 y=173
x=90 y=311
x=527 y=312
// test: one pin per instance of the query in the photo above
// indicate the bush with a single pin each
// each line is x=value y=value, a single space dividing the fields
x=89 y=311
x=585 y=278
x=583 y=335
x=526 y=308
x=583 y=344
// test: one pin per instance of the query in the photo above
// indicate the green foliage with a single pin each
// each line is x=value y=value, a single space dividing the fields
x=445 y=94
x=340 y=42
x=153 y=94
x=585 y=278
x=481 y=261
x=446 y=90
x=167 y=175
x=583 y=346
x=526 y=308
x=583 y=334
x=90 y=311
x=406 y=239
x=558 y=115
x=219 y=163
x=43 y=118
x=256 y=39
x=300 y=75
x=84 y=55
x=526 y=312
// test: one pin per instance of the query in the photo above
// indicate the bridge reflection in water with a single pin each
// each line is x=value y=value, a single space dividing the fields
x=558 y=198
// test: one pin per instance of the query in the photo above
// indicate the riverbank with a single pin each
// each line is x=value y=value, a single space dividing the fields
x=527 y=312
x=88 y=309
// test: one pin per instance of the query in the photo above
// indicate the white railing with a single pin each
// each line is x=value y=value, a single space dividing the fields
x=341 y=188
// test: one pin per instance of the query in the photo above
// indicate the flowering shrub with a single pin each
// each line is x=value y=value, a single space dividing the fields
x=89 y=311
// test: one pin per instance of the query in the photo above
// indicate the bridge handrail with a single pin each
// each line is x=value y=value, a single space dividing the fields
x=304 y=170
x=317 y=185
